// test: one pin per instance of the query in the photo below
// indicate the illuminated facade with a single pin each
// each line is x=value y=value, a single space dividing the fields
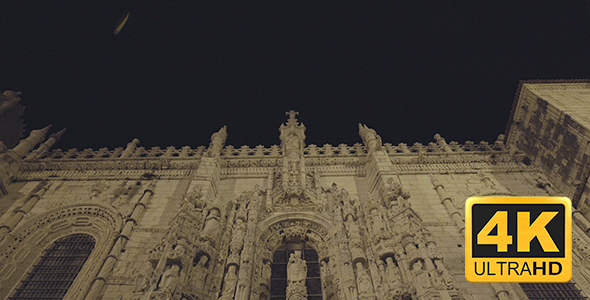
x=294 y=221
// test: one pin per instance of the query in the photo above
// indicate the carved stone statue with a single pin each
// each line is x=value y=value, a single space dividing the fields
x=195 y=198
x=296 y=268
x=170 y=279
x=229 y=284
x=237 y=239
x=443 y=273
x=370 y=138
x=378 y=223
x=393 y=274
x=421 y=278
x=364 y=283
x=199 y=272
x=212 y=223
x=217 y=142
x=266 y=273
x=142 y=280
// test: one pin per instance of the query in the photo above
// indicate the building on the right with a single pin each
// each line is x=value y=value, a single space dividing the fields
x=550 y=124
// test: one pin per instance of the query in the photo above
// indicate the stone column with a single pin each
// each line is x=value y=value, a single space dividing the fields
x=119 y=244
x=448 y=203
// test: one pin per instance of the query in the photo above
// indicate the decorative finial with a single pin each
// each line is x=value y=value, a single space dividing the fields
x=292 y=115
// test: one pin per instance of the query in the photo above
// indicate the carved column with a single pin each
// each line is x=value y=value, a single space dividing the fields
x=27 y=203
x=119 y=244
x=455 y=214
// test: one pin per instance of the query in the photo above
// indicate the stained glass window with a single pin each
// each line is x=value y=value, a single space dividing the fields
x=54 y=274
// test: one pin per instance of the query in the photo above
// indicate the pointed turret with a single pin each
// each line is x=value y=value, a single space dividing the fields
x=44 y=147
x=26 y=145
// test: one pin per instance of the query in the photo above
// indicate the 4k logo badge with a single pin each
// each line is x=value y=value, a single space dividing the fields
x=518 y=239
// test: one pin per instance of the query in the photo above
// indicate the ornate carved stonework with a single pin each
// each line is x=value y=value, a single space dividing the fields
x=218 y=216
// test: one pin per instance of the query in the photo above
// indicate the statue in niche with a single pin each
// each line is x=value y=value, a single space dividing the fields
x=296 y=268
x=443 y=273
x=353 y=228
x=421 y=277
x=365 y=285
x=393 y=274
x=142 y=280
x=195 y=198
x=199 y=272
x=170 y=279
x=237 y=239
x=266 y=272
x=177 y=253
x=229 y=284
x=212 y=223
x=378 y=223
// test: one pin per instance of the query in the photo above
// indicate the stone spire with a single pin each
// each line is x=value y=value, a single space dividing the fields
x=27 y=144
x=292 y=136
x=54 y=138
x=370 y=137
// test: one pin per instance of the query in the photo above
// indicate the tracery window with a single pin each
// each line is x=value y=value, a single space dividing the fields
x=566 y=290
x=278 y=284
x=54 y=274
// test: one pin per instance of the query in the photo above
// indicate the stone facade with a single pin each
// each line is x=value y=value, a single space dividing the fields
x=386 y=221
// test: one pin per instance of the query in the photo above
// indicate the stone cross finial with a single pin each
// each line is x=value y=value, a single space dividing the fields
x=292 y=114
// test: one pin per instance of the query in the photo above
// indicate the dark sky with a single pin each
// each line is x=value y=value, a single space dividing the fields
x=180 y=70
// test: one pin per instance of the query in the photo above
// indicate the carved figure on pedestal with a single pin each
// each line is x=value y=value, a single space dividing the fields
x=421 y=278
x=170 y=279
x=296 y=274
x=237 y=239
x=212 y=224
x=266 y=273
x=394 y=278
x=443 y=273
x=378 y=223
x=364 y=283
x=229 y=283
x=195 y=198
x=142 y=280
x=296 y=268
x=199 y=272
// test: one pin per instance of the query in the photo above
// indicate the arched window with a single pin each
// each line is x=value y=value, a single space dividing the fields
x=60 y=264
x=278 y=284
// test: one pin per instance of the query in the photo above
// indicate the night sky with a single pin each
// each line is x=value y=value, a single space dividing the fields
x=180 y=70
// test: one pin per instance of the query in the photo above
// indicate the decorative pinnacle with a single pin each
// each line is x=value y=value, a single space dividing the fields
x=292 y=115
x=57 y=135
x=45 y=129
